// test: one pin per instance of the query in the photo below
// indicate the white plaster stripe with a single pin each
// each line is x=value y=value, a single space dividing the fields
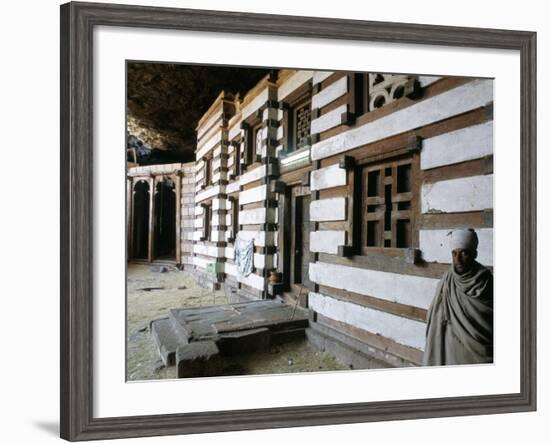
x=328 y=120
x=328 y=177
x=232 y=187
x=319 y=76
x=211 y=251
x=252 y=280
x=254 y=174
x=447 y=104
x=409 y=290
x=293 y=83
x=253 y=195
x=230 y=269
x=326 y=241
x=434 y=245
x=280 y=132
x=458 y=195
x=252 y=216
x=402 y=330
x=457 y=146
x=328 y=209
x=209 y=145
x=426 y=80
x=200 y=262
x=211 y=132
x=258 y=236
x=207 y=193
x=234 y=130
x=330 y=93
x=255 y=104
x=205 y=127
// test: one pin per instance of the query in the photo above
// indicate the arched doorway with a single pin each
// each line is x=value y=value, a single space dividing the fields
x=140 y=228
x=165 y=220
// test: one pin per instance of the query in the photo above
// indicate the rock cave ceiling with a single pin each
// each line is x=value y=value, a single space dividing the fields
x=165 y=101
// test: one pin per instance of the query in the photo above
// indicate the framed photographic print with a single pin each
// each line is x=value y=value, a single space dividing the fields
x=251 y=229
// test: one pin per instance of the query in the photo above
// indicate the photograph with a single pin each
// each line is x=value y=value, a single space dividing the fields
x=283 y=220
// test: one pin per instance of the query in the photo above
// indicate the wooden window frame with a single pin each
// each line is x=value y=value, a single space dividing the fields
x=207 y=180
x=355 y=222
x=296 y=99
x=206 y=222
x=234 y=219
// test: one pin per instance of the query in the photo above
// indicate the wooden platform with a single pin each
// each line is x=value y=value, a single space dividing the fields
x=196 y=338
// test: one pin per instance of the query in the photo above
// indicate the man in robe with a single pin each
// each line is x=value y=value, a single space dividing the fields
x=460 y=318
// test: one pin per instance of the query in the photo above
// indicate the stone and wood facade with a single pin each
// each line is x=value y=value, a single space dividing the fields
x=348 y=183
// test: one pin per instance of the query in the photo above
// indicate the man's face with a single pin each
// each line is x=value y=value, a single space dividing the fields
x=463 y=260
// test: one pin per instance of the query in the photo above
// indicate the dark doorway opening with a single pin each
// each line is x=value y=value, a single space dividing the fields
x=294 y=242
x=300 y=244
x=165 y=220
x=140 y=229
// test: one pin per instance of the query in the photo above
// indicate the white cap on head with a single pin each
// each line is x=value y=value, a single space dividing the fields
x=463 y=239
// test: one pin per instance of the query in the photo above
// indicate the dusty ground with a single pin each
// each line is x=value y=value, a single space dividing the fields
x=151 y=295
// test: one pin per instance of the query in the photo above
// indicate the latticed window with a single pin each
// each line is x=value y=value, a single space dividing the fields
x=301 y=120
x=301 y=124
x=388 y=195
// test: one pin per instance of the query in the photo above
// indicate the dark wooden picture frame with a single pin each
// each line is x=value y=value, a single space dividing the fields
x=77 y=214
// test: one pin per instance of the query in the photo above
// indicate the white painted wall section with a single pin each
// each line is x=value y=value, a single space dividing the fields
x=328 y=120
x=326 y=241
x=253 y=195
x=457 y=146
x=461 y=99
x=402 y=330
x=255 y=104
x=257 y=236
x=252 y=216
x=409 y=290
x=293 y=83
x=253 y=175
x=208 y=124
x=330 y=93
x=319 y=76
x=329 y=177
x=458 y=195
x=434 y=245
x=234 y=131
x=328 y=209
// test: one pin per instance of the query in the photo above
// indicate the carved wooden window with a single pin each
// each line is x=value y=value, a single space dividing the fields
x=300 y=124
x=374 y=90
x=388 y=195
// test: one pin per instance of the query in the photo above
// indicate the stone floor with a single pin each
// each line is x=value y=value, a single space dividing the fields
x=151 y=295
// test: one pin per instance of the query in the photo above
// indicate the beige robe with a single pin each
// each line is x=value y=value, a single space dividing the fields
x=460 y=319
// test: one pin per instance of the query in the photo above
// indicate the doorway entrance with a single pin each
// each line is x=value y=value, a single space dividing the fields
x=140 y=227
x=165 y=221
x=294 y=238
